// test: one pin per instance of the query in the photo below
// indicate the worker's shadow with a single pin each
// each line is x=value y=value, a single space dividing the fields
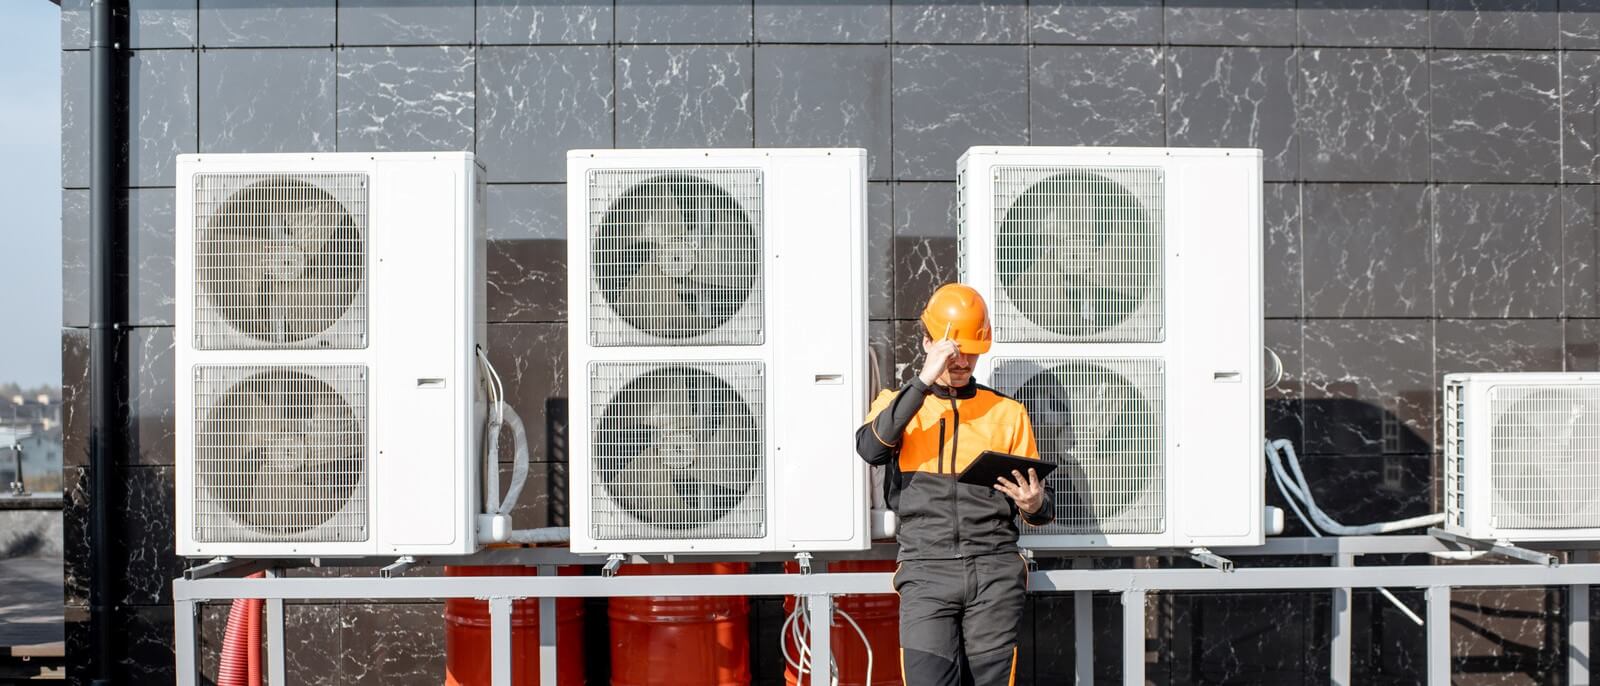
x=1107 y=439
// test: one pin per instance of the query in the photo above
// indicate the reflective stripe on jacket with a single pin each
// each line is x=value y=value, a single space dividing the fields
x=926 y=436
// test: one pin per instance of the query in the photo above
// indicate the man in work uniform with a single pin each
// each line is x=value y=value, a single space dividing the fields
x=961 y=579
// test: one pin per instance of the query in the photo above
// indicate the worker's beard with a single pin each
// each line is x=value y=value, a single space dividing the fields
x=956 y=378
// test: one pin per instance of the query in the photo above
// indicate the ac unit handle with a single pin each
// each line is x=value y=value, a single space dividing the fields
x=1227 y=377
x=830 y=379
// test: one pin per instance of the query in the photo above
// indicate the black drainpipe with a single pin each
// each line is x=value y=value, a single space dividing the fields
x=107 y=368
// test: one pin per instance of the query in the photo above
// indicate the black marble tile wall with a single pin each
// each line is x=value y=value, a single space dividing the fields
x=1433 y=172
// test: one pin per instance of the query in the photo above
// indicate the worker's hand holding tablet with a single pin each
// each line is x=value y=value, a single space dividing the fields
x=1020 y=478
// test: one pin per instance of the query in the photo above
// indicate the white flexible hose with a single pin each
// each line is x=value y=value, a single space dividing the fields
x=797 y=626
x=864 y=642
x=1302 y=489
x=491 y=450
x=549 y=534
x=1286 y=487
x=519 y=469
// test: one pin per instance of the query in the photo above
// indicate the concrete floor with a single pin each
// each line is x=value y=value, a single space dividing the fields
x=30 y=601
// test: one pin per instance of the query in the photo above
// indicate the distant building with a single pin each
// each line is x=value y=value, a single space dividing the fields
x=39 y=411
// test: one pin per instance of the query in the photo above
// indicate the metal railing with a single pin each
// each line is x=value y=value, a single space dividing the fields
x=220 y=580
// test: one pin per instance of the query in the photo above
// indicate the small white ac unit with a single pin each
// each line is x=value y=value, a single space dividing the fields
x=717 y=349
x=1124 y=285
x=1522 y=456
x=329 y=309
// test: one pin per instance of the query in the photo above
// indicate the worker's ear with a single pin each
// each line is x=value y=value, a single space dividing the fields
x=927 y=343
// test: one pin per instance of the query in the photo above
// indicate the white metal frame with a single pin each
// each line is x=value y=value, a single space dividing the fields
x=812 y=348
x=1132 y=585
x=1207 y=349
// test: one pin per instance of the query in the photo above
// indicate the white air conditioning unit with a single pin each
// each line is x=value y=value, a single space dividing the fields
x=1124 y=287
x=1522 y=456
x=717 y=345
x=329 y=309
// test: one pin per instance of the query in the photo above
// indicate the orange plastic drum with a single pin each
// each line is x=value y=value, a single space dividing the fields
x=466 y=638
x=879 y=618
x=680 y=641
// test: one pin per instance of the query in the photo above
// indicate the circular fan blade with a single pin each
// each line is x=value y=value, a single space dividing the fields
x=651 y=302
x=281 y=260
x=676 y=256
x=1076 y=253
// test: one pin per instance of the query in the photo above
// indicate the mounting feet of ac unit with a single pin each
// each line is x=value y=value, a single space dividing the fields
x=1210 y=559
x=613 y=563
x=805 y=562
x=1503 y=548
x=398 y=567
x=225 y=566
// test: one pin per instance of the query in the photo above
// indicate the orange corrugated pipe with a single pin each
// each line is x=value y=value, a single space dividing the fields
x=252 y=643
x=241 y=643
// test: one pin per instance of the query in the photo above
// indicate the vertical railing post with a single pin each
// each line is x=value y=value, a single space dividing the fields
x=548 y=667
x=184 y=615
x=820 y=607
x=1339 y=652
x=1438 y=635
x=1133 y=603
x=500 y=641
x=1083 y=637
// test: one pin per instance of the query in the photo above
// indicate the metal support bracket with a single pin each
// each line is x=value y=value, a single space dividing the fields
x=398 y=567
x=805 y=562
x=220 y=566
x=1502 y=548
x=613 y=563
x=1210 y=559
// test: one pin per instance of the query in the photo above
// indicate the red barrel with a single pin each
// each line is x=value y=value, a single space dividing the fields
x=680 y=640
x=878 y=615
x=466 y=638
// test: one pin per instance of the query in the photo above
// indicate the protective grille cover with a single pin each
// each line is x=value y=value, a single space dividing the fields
x=676 y=257
x=280 y=261
x=677 y=450
x=1078 y=254
x=280 y=453
x=1545 y=452
x=1102 y=421
x=1455 y=453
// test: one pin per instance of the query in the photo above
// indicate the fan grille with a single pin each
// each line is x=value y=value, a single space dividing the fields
x=280 y=261
x=1078 y=254
x=1455 y=453
x=1545 y=443
x=676 y=257
x=678 y=450
x=1102 y=421
x=280 y=454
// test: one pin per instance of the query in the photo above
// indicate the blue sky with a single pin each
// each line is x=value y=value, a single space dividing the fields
x=30 y=192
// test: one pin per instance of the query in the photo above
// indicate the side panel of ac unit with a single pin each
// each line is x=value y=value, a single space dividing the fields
x=326 y=323
x=1522 y=454
x=695 y=424
x=427 y=451
x=1216 y=301
x=820 y=339
x=1141 y=367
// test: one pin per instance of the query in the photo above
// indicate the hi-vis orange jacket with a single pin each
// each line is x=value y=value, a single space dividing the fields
x=926 y=436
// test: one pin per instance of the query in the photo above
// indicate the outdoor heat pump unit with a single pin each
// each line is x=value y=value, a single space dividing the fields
x=1124 y=288
x=717 y=350
x=329 y=308
x=1522 y=456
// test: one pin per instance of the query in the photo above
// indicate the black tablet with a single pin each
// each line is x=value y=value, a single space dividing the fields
x=990 y=466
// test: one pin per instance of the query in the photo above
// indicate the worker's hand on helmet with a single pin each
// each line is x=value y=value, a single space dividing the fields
x=939 y=355
x=1026 y=492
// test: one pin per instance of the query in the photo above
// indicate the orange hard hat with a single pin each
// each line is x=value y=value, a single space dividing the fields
x=956 y=311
